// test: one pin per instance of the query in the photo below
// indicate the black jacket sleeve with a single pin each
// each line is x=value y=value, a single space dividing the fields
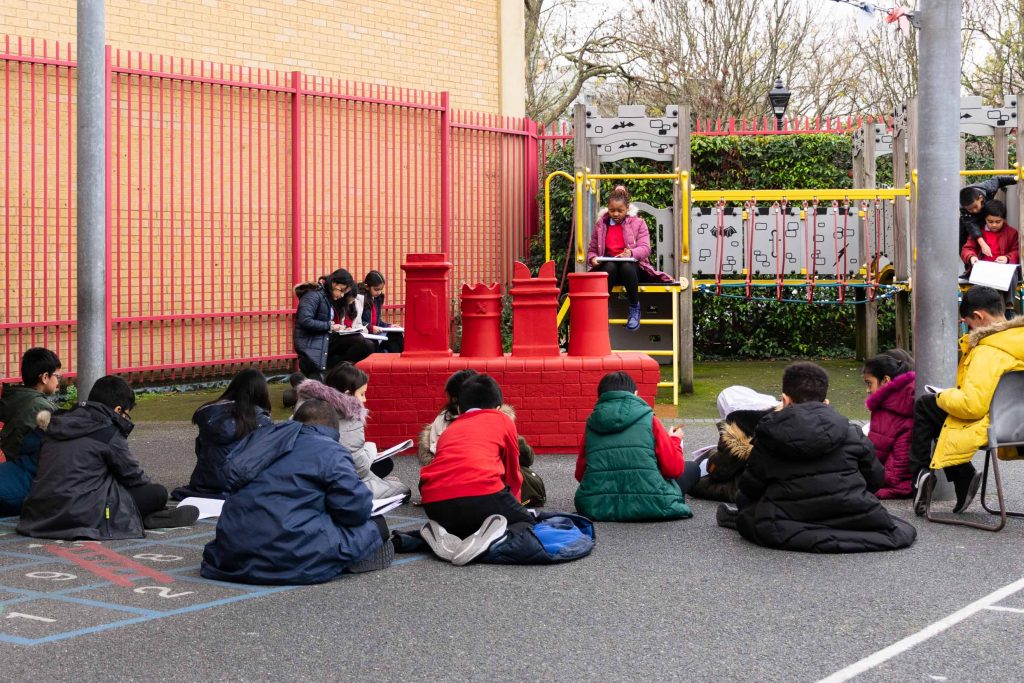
x=123 y=465
x=861 y=448
x=305 y=317
x=1005 y=180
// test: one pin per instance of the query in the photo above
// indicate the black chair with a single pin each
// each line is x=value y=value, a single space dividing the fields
x=1006 y=430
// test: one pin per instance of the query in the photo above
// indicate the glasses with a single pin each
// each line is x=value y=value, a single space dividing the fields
x=57 y=375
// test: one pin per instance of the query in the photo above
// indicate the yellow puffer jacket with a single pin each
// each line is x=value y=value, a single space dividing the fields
x=988 y=353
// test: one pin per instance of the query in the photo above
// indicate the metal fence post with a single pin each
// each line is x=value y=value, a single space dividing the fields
x=93 y=212
x=297 y=171
x=446 y=174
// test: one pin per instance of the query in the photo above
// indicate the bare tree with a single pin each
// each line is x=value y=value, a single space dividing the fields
x=995 y=31
x=568 y=43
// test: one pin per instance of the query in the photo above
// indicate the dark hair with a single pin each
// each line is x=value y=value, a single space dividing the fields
x=884 y=365
x=979 y=298
x=317 y=412
x=451 y=389
x=804 y=382
x=346 y=305
x=346 y=377
x=112 y=391
x=374 y=278
x=994 y=207
x=248 y=391
x=902 y=355
x=616 y=381
x=619 y=193
x=36 y=362
x=968 y=195
x=479 y=391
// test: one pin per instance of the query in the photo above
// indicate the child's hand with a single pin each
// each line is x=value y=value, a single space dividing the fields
x=676 y=431
x=985 y=249
x=974 y=259
x=593 y=261
x=376 y=330
x=1001 y=259
x=336 y=328
x=626 y=253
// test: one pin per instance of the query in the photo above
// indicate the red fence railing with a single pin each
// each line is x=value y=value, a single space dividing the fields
x=228 y=184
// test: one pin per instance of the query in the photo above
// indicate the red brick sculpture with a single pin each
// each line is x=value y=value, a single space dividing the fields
x=481 y=321
x=552 y=393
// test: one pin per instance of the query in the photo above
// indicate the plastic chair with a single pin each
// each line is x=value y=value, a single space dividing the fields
x=1006 y=430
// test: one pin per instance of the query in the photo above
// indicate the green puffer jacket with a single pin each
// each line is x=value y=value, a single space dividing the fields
x=19 y=406
x=622 y=482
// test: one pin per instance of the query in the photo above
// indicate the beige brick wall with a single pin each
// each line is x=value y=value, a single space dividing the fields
x=452 y=46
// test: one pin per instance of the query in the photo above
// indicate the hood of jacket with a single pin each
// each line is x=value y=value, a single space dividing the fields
x=85 y=419
x=893 y=396
x=631 y=211
x=617 y=410
x=803 y=431
x=737 y=441
x=349 y=407
x=260 y=449
x=305 y=287
x=1012 y=344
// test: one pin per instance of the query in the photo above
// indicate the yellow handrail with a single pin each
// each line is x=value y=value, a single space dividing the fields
x=580 y=254
x=547 y=209
x=1015 y=172
x=684 y=219
x=797 y=195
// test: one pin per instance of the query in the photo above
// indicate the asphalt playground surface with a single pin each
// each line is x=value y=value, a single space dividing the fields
x=679 y=600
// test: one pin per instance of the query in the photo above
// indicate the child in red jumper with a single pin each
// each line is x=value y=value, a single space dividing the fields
x=475 y=473
x=1001 y=238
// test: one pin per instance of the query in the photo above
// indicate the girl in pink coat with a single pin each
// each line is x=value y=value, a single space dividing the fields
x=618 y=234
x=890 y=382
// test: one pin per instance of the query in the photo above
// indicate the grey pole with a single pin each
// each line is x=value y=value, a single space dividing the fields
x=936 y=320
x=92 y=245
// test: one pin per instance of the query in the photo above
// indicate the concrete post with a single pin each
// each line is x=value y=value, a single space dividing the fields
x=91 y=359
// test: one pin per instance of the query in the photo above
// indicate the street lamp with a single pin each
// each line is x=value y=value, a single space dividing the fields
x=778 y=100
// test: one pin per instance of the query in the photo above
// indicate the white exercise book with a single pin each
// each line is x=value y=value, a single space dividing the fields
x=208 y=507
x=602 y=259
x=991 y=274
x=378 y=337
x=389 y=330
x=382 y=505
x=394 y=450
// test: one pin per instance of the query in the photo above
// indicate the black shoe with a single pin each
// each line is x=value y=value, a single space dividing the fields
x=289 y=398
x=183 y=515
x=726 y=515
x=380 y=558
x=966 y=488
x=923 y=496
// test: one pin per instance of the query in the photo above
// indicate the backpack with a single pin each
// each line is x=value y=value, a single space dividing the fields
x=554 y=537
x=533 y=493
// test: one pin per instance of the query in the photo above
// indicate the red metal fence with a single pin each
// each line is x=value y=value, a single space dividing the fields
x=226 y=185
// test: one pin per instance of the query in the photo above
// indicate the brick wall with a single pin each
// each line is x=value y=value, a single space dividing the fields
x=452 y=46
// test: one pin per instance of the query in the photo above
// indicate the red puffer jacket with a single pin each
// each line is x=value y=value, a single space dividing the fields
x=892 y=419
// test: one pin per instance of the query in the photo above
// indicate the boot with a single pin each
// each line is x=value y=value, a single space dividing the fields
x=633 y=320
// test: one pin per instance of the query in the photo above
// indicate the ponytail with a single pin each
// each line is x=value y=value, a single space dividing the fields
x=619 y=193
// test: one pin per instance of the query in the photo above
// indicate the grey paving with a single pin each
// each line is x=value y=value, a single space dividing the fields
x=677 y=601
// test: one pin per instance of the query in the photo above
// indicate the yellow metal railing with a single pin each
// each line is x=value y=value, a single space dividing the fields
x=1016 y=172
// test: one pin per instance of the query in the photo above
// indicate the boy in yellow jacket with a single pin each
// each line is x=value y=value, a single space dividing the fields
x=959 y=417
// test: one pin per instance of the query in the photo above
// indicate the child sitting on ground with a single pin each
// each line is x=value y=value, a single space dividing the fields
x=890 y=384
x=344 y=389
x=89 y=485
x=533 y=493
x=23 y=409
x=740 y=408
x=630 y=468
x=808 y=481
x=298 y=512
x=472 y=487
x=242 y=408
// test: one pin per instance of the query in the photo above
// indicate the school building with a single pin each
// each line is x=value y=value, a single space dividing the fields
x=471 y=48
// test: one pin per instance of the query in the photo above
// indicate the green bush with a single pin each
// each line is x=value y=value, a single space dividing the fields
x=726 y=327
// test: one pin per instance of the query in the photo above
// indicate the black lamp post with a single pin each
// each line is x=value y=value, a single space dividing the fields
x=778 y=100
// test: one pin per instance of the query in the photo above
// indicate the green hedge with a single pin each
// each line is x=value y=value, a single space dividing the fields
x=734 y=328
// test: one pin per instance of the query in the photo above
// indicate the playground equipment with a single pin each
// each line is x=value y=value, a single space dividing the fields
x=857 y=245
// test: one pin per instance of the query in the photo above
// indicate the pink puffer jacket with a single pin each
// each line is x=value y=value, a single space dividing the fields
x=892 y=420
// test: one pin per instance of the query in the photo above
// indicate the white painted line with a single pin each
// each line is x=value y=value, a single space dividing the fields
x=899 y=647
x=1000 y=608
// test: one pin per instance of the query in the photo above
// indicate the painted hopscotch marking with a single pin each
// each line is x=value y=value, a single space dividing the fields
x=870 y=662
x=107 y=564
x=115 y=569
